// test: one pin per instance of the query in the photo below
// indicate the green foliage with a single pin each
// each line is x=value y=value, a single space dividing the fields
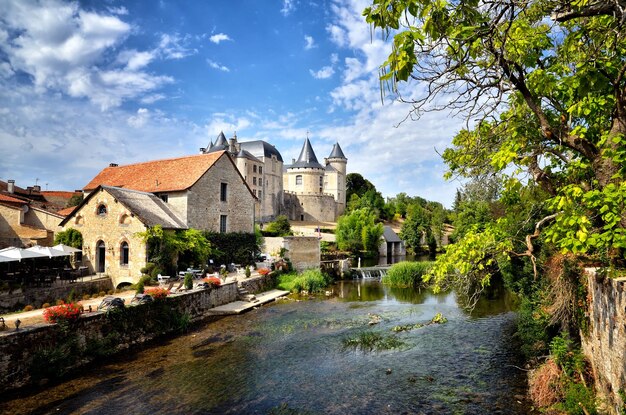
x=406 y=274
x=280 y=227
x=285 y=281
x=188 y=281
x=70 y=237
x=357 y=185
x=312 y=281
x=577 y=397
x=234 y=248
x=247 y=271
x=74 y=200
x=357 y=231
x=532 y=325
x=370 y=341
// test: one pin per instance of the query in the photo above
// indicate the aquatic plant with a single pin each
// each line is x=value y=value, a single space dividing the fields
x=406 y=274
x=437 y=319
x=369 y=341
x=311 y=280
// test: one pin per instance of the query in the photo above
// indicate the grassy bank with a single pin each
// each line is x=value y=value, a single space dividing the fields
x=311 y=280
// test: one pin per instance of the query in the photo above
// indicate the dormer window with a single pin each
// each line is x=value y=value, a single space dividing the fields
x=102 y=210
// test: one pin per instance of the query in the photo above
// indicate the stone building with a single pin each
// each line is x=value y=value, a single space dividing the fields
x=109 y=219
x=304 y=191
x=26 y=217
x=315 y=192
x=391 y=245
x=206 y=191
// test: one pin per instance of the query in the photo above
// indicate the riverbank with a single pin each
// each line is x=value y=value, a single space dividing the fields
x=39 y=352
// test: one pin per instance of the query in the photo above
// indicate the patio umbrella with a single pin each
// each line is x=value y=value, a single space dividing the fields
x=6 y=259
x=47 y=251
x=17 y=254
x=65 y=248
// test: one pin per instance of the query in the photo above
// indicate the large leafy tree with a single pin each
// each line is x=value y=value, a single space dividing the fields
x=546 y=81
x=358 y=231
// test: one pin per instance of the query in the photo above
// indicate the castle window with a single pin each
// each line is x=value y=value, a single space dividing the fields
x=124 y=253
x=260 y=169
x=299 y=180
x=223 y=223
x=321 y=180
x=259 y=194
x=223 y=191
x=254 y=181
x=254 y=168
x=102 y=210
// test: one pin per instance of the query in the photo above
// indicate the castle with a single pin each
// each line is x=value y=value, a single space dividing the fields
x=304 y=190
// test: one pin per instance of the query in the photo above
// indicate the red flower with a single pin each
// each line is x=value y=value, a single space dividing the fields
x=214 y=281
x=157 y=292
x=63 y=312
x=264 y=271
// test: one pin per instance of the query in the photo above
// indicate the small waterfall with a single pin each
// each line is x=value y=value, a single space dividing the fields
x=370 y=273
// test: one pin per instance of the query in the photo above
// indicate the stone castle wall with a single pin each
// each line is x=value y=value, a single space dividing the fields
x=303 y=251
x=605 y=344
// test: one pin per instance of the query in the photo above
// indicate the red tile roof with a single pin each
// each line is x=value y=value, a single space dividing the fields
x=11 y=199
x=66 y=211
x=59 y=193
x=157 y=176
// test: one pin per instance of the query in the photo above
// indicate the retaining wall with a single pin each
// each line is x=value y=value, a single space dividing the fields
x=605 y=344
x=17 y=299
x=25 y=353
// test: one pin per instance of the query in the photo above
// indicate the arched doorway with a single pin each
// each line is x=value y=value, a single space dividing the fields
x=100 y=256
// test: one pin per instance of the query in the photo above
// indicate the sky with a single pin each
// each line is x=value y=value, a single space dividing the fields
x=84 y=84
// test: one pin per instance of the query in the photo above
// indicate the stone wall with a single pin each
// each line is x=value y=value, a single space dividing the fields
x=256 y=285
x=18 y=299
x=205 y=207
x=303 y=251
x=97 y=333
x=605 y=344
x=118 y=225
x=310 y=207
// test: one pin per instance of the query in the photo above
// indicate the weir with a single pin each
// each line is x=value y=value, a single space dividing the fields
x=370 y=272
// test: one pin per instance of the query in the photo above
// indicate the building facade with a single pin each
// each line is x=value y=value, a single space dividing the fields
x=304 y=191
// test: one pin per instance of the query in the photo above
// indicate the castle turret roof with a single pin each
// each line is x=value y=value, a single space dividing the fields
x=307 y=157
x=220 y=144
x=336 y=153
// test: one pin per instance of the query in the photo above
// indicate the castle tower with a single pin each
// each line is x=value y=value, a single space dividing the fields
x=335 y=180
x=306 y=175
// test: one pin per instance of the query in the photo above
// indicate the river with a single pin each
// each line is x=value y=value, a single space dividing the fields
x=289 y=357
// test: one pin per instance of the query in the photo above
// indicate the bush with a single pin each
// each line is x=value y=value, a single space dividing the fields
x=280 y=227
x=285 y=280
x=406 y=274
x=234 y=247
x=86 y=296
x=157 y=292
x=188 y=281
x=110 y=292
x=63 y=312
x=29 y=308
x=311 y=280
x=102 y=294
x=248 y=273
x=213 y=281
x=59 y=301
x=45 y=305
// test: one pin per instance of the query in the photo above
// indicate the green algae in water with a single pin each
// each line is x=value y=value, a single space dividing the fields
x=371 y=341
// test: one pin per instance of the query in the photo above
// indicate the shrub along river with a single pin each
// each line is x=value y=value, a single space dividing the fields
x=293 y=357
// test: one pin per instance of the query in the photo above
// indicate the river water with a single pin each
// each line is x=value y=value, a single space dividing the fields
x=289 y=357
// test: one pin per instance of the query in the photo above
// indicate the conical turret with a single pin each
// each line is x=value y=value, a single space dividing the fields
x=307 y=158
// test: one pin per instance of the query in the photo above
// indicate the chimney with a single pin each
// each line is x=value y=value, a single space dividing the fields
x=37 y=188
x=113 y=164
x=11 y=186
x=202 y=150
x=293 y=161
x=231 y=145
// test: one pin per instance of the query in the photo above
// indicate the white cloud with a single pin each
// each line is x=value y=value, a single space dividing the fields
x=309 y=42
x=217 y=66
x=122 y=11
x=324 y=73
x=175 y=46
x=288 y=7
x=139 y=120
x=227 y=123
x=220 y=37
x=65 y=49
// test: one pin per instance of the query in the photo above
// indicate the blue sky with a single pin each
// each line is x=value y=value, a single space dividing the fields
x=84 y=84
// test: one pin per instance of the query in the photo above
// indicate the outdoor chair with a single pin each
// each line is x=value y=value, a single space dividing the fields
x=179 y=288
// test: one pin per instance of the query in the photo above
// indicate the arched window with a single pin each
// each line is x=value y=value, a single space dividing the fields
x=124 y=253
x=299 y=180
x=102 y=210
x=125 y=220
x=79 y=220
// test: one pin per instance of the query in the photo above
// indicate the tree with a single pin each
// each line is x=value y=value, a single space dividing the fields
x=546 y=81
x=358 y=231
x=357 y=184
x=75 y=200
x=280 y=227
x=70 y=237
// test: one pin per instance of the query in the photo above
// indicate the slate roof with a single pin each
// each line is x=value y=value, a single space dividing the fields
x=147 y=208
x=158 y=175
x=307 y=158
x=260 y=148
x=337 y=153
x=389 y=235
x=246 y=154
x=221 y=144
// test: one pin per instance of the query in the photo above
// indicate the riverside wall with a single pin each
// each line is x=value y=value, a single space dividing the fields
x=30 y=354
x=605 y=343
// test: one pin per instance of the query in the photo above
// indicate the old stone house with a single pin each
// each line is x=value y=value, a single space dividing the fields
x=390 y=244
x=109 y=219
